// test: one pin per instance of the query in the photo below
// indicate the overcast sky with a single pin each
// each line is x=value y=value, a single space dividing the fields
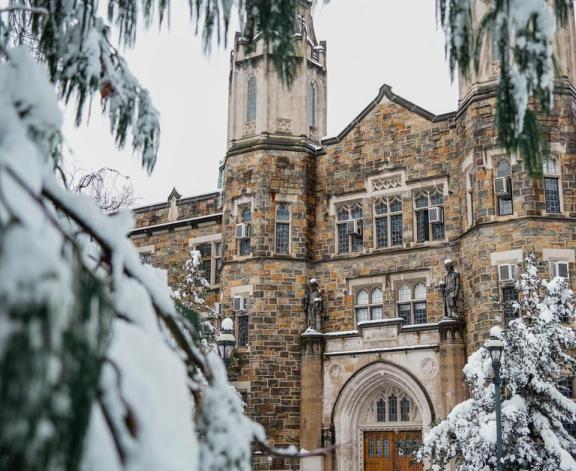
x=370 y=42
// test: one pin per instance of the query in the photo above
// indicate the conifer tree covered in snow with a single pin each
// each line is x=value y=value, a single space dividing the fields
x=98 y=371
x=522 y=32
x=536 y=354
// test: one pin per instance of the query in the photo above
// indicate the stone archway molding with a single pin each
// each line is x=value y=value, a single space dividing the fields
x=351 y=400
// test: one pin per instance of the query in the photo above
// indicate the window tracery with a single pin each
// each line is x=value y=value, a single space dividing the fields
x=388 y=221
x=429 y=221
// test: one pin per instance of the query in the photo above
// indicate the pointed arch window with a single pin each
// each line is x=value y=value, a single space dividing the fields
x=429 y=206
x=392 y=408
x=312 y=104
x=551 y=186
x=251 y=100
x=393 y=405
x=388 y=221
x=412 y=306
x=349 y=228
x=368 y=304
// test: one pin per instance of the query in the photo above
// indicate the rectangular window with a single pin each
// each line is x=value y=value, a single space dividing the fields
x=405 y=311
x=343 y=246
x=392 y=409
x=429 y=206
x=146 y=257
x=357 y=243
x=420 y=313
x=218 y=261
x=509 y=296
x=422 y=225
x=211 y=254
x=570 y=427
x=505 y=206
x=396 y=229
x=349 y=228
x=388 y=221
x=282 y=237
x=243 y=323
x=565 y=386
x=382 y=232
x=244 y=218
x=206 y=254
x=551 y=195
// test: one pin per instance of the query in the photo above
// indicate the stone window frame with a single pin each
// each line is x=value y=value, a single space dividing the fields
x=349 y=206
x=428 y=192
x=555 y=175
x=251 y=99
x=244 y=291
x=388 y=215
x=214 y=240
x=499 y=199
x=399 y=396
x=241 y=250
x=370 y=305
x=288 y=222
x=412 y=284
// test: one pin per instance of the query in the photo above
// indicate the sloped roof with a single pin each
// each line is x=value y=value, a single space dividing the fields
x=386 y=91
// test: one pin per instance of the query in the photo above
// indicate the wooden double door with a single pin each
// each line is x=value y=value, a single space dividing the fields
x=391 y=451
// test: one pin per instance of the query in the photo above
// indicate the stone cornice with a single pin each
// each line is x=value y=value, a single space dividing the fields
x=276 y=142
x=170 y=226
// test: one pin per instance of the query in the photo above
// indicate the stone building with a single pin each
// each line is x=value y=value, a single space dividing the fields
x=371 y=215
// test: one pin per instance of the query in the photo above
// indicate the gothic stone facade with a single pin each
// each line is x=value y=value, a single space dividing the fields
x=355 y=212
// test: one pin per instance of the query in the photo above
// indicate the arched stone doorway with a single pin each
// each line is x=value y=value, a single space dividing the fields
x=364 y=410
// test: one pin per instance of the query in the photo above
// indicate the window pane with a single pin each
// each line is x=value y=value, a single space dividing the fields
x=362 y=297
x=404 y=292
x=362 y=314
x=246 y=215
x=377 y=296
x=243 y=322
x=395 y=205
x=570 y=427
x=504 y=206
x=404 y=312
x=549 y=167
x=357 y=243
x=420 y=291
x=404 y=410
x=146 y=257
x=379 y=446
x=342 y=239
x=343 y=214
x=371 y=447
x=565 y=387
x=422 y=230
x=396 y=229
x=251 y=100
x=382 y=232
x=217 y=249
x=438 y=231
x=205 y=250
x=282 y=213
x=551 y=195
x=282 y=237
x=376 y=312
x=420 y=313
x=422 y=201
x=218 y=269
x=380 y=411
x=503 y=169
x=381 y=207
x=509 y=295
x=244 y=246
x=436 y=198
x=392 y=408
x=207 y=269
x=356 y=212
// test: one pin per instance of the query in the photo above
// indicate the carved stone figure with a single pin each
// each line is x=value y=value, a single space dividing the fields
x=450 y=291
x=313 y=306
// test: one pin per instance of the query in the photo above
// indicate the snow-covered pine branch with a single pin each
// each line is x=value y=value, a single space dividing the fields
x=535 y=356
x=522 y=33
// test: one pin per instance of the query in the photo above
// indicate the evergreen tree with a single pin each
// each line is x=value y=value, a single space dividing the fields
x=534 y=412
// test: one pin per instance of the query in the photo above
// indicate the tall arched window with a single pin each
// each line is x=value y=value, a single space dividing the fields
x=312 y=104
x=251 y=100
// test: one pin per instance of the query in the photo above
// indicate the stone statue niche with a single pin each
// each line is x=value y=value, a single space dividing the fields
x=313 y=305
x=450 y=287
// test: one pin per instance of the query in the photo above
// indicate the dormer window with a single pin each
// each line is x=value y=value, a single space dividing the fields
x=251 y=100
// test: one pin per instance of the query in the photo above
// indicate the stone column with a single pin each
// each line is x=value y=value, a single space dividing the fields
x=312 y=346
x=452 y=361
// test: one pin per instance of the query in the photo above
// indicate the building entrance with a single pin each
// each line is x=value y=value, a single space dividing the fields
x=391 y=450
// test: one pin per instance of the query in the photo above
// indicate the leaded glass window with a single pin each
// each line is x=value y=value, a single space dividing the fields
x=348 y=240
x=405 y=410
x=381 y=410
x=509 y=297
x=368 y=304
x=412 y=306
x=245 y=217
x=551 y=186
x=251 y=100
x=425 y=229
x=388 y=221
x=393 y=405
x=243 y=324
x=565 y=386
x=392 y=408
x=282 y=229
x=503 y=169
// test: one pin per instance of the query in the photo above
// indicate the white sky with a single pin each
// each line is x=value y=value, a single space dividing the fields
x=370 y=42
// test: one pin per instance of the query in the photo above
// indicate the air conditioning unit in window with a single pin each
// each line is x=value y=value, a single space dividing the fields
x=435 y=215
x=507 y=273
x=240 y=303
x=355 y=227
x=559 y=269
x=502 y=186
x=242 y=231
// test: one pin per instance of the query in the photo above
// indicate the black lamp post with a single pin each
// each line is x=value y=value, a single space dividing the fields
x=226 y=340
x=495 y=347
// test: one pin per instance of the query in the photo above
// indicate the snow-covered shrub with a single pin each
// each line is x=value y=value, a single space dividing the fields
x=535 y=356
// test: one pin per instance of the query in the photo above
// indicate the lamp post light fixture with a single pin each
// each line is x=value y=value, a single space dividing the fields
x=495 y=347
x=226 y=340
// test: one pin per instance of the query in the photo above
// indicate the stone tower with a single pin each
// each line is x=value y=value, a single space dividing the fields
x=274 y=132
x=500 y=229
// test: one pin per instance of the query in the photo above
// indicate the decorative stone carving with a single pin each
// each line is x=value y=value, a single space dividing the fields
x=313 y=306
x=450 y=287
x=335 y=373
x=249 y=127
x=283 y=125
x=429 y=367
x=384 y=183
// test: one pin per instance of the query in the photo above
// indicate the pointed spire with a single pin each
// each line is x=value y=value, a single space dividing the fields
x=174 y=195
